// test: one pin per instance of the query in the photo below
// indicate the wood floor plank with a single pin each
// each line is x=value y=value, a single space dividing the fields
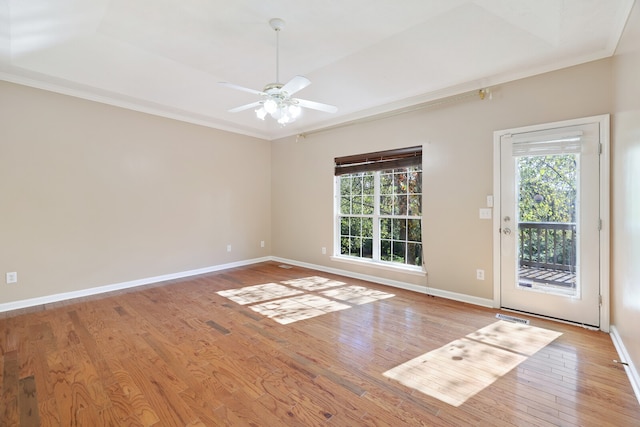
x=28 y=402
x=178 y=353
x=218 y=327
x=241 y=410
x=74 y=401
x=9 y=409
x=128 y=398
x=2 y=373
x=48 y=410
x=160 y=394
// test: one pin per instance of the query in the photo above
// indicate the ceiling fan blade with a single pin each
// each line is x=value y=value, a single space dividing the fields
x=295 y=84
x=245 y=107
x=242 y=88
x=316 y=105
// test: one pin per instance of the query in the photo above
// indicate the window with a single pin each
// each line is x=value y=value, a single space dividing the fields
x=379 y=209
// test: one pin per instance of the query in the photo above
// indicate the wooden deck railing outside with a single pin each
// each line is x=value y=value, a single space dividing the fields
x=548 y=245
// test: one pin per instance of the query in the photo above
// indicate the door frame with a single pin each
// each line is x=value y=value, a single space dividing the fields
x=604 y=250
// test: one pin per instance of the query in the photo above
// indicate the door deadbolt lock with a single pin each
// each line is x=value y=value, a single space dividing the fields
x=507 y=219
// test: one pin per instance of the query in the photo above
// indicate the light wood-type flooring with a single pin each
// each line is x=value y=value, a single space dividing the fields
x=180 y=354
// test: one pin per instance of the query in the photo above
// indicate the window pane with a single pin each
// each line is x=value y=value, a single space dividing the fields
x=345 y=205
x=356 y=186
x=385 y=250
x=369 y=184
x=356 y=205
x=344 y=246
x=367 y=227
x=356 y=244
x=415 y=205
x=367 y=248
x=385 y=228
x=349 y=246
x=367 y=205
x=400 y=183
x=400 y=207
x=414 y=253
x=386 y=205
x=345 y=185
x=399 y=251
x=344 y=226
x=415 y=182
x=399 y=229
x=414 y=232
x=386 y=183
x=355 y=227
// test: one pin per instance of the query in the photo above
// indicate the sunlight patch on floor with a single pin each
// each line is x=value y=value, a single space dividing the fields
x=289 y=310
x=314 y=283
x=356 y=294
x=515 y=337
x=257 y=293
x=302 y=302
x=459 y=370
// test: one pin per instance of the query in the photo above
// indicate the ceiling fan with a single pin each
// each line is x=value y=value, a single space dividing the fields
x=276 y=98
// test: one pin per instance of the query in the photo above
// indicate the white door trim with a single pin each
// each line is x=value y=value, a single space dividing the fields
x=603 y=121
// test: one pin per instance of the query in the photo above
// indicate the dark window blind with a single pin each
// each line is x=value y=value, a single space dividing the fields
x=379 y=160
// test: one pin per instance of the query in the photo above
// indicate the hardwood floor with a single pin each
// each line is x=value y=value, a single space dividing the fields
x=180 y=354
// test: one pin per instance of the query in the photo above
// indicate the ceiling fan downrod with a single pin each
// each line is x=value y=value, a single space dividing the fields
x=277 y=24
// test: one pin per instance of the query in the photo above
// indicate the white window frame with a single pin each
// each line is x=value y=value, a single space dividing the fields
x=376 y=216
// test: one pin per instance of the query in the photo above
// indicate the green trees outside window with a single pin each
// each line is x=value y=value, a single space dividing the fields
x=380 y=215
x=547 y=188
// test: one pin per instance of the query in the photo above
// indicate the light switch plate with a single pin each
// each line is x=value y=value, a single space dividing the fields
x=489 y=201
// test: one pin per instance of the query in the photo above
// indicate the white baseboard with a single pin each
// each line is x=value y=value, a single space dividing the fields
x=631 y=370
x=394 y=283
x=32 y=302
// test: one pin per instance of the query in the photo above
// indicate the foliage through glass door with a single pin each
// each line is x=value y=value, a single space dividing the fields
x=547 y=227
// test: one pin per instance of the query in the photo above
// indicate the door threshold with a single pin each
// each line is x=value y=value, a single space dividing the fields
x=555 y=319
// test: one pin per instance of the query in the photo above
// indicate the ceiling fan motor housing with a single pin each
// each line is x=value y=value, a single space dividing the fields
x=277 y=24
x=273 y=88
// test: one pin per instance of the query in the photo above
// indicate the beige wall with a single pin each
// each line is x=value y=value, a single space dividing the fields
x=93 y=195
x=626 y=189
x=457 y=144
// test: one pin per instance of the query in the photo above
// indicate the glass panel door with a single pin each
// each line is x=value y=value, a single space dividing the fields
x=549 y=223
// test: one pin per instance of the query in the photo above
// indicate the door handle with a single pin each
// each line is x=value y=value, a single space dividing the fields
x=506 y=230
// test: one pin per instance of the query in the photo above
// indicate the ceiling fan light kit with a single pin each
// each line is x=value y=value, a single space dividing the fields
x=276 y=97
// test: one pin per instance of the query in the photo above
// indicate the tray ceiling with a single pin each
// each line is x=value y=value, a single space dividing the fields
x=364 y=56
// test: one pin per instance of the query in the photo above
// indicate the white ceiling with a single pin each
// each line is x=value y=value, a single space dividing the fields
x=166 y=57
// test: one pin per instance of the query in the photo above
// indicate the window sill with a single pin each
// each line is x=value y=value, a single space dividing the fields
x=414 y=270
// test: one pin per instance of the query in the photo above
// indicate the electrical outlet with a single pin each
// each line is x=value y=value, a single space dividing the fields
x=324 y=250
x=12 y=277
x=480 y=274
x=228 y=248
x=262 y=243
x=485 y=213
